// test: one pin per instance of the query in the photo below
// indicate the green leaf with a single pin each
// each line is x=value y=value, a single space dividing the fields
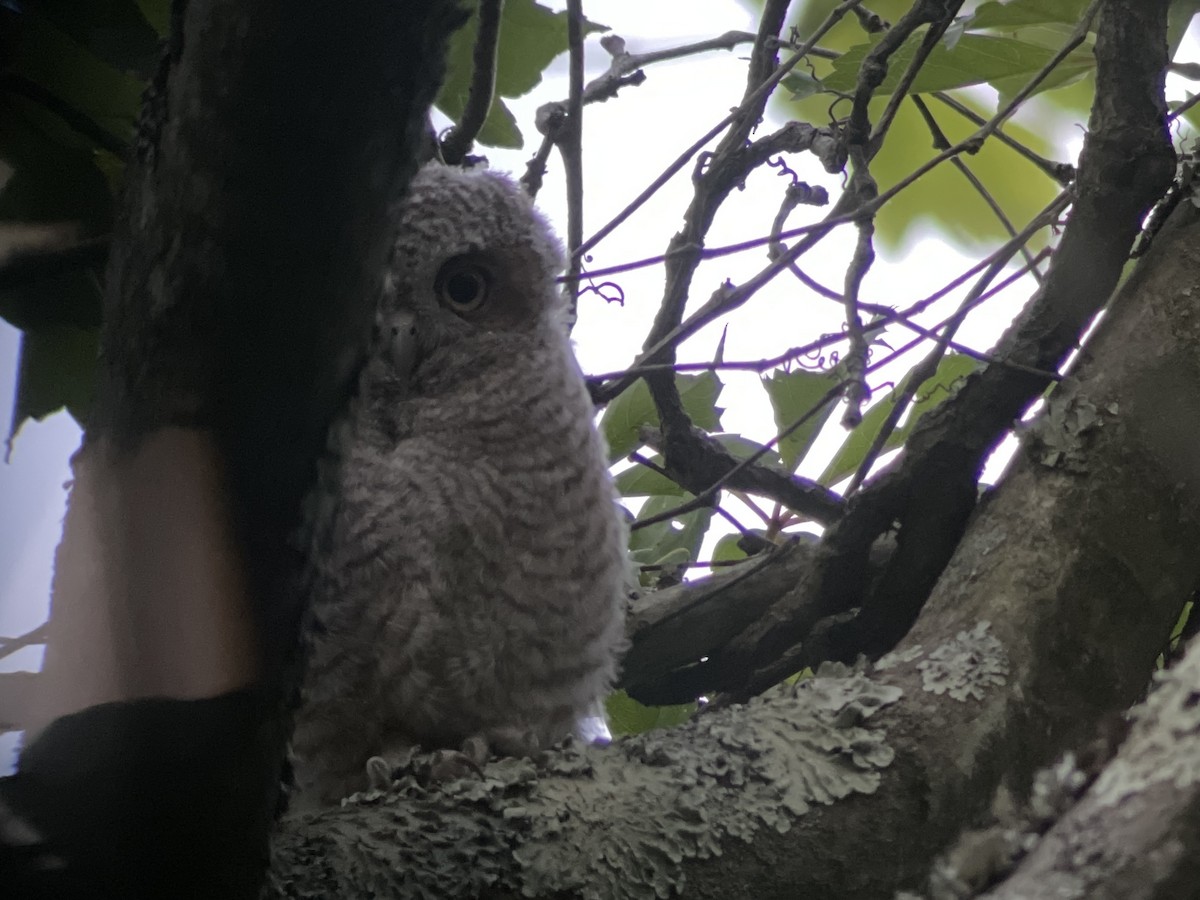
x=968 y=222
x=933 y=392
x=727 y=549
x=1179 y=17
x=74 y=75
x=530 y=37
x=975 y=59
x=640 y=481
x=656 y=542
x=793 y=395
x=627 y=716
x=801 y=84
x=158 y=14
x=1016 y=13
x=743 y=448
x=626 y=415
x=116 y=31
x=847 y=32
x=57 y=368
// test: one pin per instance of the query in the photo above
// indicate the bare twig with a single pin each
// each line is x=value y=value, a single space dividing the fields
x=9 y=646
x=483 y=84
x=570 y=146
x=938 y=25
x=707 y=496
x=1063 y=173
x=940 y=142
x=921 y=373
x=25 y=264
x=755 y=97
x=625 y=64
x=625 y=70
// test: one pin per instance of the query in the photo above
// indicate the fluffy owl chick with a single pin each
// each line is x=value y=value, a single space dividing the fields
x=467 y=557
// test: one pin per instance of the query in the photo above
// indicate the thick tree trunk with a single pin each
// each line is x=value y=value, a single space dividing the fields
x=241 y=289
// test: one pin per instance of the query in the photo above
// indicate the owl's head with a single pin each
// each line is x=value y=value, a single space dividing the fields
x=472 y=260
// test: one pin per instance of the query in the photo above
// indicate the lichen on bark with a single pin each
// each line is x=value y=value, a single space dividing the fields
x=614 y=822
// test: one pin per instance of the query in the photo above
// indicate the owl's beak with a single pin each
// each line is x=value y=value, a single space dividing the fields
x=402 y=348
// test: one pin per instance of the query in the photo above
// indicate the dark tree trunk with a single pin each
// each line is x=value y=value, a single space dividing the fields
x=240 y=291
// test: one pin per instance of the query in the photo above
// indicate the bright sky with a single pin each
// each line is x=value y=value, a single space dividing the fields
x=627 y=143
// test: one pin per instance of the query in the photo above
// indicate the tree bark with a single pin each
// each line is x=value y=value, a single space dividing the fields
x=240 y=292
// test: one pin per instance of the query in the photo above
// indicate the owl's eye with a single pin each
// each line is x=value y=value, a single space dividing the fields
x=462 y=287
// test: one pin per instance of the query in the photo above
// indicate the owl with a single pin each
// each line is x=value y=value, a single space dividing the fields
x=467 y=566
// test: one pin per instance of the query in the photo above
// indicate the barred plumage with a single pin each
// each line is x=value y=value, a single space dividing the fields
x=467 y=559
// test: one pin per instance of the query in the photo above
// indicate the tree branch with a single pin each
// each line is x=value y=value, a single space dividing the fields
x=483 y=84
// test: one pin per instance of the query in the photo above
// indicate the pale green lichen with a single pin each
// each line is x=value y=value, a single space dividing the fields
x=1058 y=437
x=604 y=823
x=965 y=666
x=899 y=657
x=1166 y=725
x=723 y=776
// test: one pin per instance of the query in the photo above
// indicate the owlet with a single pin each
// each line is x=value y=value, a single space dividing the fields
x=467 y=557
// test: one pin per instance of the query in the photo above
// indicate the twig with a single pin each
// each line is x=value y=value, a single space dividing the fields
x=1063 y=173
x=1183 y=107
x=940 y=142
x=857 y=391
x=570 y=146
x=650 y=464
x=94 y=132
x=767 y=86
x=625 y=70
x=728 y=298
x=706 y=497
x=921 y=373
x=939 y=20
x=887 y=317
x=25 y=264
x=625 y=63
x=9 y=646
x=483 y=84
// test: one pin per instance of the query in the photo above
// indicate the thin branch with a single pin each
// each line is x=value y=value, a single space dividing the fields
x=940 y=21
x=874 y=67
x=9 y=646
x=1077 y=37
x=761 y=93
x=728 y=298
x=625 y=63
x=707 y=496
x=923 y=371
x=940 y=142
x=887 y=316
x=1183 y=107
x=625 y=70
x=26 y=264
x=570 y=146
x=857 y=392
x=1063 y=173
x=483 y=84
x=84 y=125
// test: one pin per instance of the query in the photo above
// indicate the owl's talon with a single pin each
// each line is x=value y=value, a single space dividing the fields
x=476 y=749
x=379 y=774
x=450 y=765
